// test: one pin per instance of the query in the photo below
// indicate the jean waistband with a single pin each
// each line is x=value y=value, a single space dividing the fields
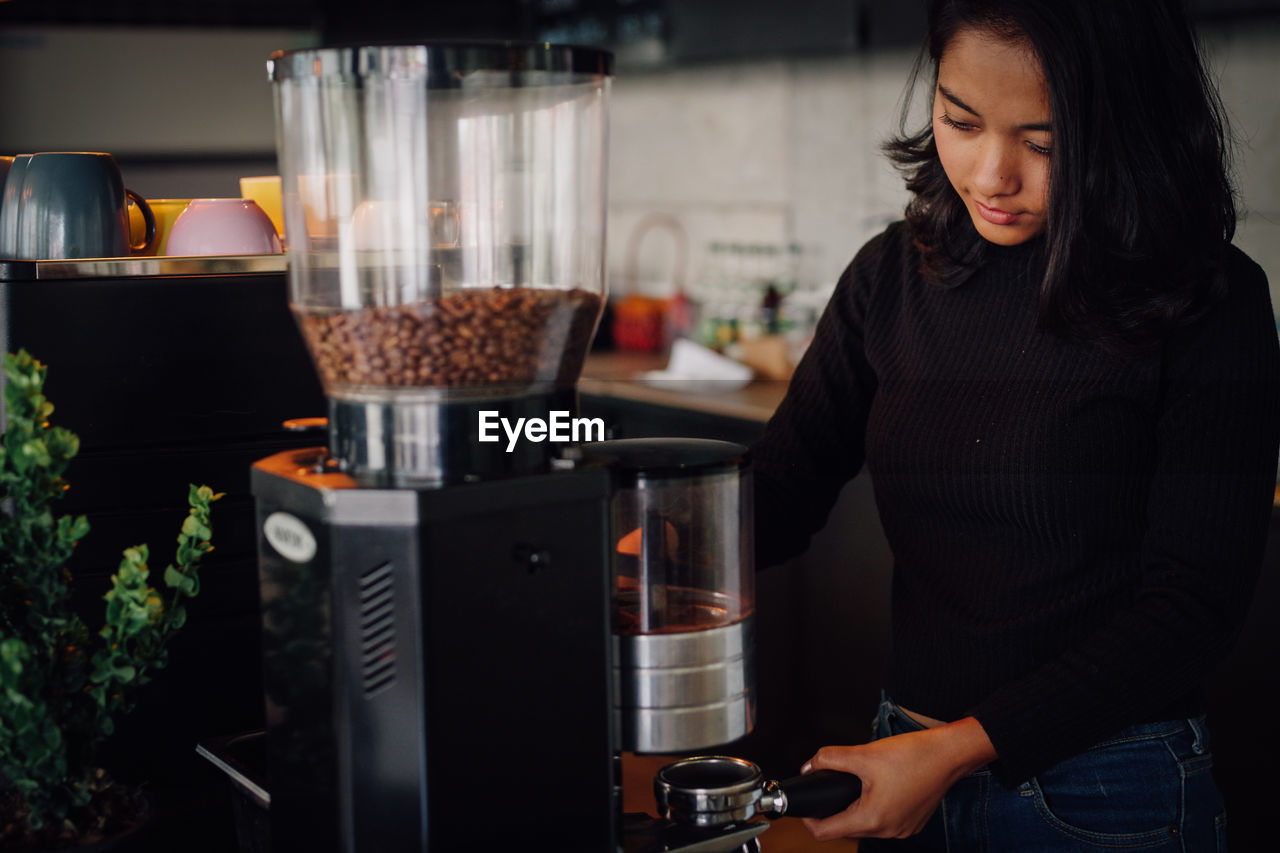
x=899 y=722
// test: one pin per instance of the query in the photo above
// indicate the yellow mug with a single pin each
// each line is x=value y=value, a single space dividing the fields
x=166 y=210
x=265 y=191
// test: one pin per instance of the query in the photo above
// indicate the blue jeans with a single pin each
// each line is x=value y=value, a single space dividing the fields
x=1147 y=788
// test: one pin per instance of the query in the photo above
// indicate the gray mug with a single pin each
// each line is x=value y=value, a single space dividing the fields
x=63 y=204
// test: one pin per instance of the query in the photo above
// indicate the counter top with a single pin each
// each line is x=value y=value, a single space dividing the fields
x=619 y=374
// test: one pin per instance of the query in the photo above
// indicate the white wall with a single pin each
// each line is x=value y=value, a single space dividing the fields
x=1247 y=58
x=774 y=151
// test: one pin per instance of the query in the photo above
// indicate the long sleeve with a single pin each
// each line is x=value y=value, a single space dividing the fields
x=814 y=443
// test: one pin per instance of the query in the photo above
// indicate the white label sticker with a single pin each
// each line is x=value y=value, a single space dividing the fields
x=288 y=535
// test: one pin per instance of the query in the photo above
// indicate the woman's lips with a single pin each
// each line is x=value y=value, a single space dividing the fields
x=995 y=215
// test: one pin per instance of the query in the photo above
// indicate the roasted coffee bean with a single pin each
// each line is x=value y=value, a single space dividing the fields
x=511 y=335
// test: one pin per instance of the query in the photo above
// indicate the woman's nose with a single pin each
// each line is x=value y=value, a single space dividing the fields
x=996 y=170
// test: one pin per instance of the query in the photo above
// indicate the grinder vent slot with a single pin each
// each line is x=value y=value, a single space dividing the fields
x=377 y=630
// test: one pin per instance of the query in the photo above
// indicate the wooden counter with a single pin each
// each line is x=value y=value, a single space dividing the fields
x=618 y=375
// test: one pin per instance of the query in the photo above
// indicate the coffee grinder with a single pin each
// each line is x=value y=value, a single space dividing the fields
x=471 y=605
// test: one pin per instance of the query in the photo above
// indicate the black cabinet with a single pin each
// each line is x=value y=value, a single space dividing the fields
x=718 y=29
x=170 y=380
x=684 y=31
x=641 y=32
x=1209 y=11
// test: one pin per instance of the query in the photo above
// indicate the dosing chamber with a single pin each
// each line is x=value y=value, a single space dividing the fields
x=683 y=592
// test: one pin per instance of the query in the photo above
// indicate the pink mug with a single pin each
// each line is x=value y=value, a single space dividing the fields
x=222 y=226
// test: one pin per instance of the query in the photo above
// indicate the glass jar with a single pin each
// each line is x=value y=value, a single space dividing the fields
x=445 y=206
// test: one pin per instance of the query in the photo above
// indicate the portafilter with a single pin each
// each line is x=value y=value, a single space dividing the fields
x=711 y=791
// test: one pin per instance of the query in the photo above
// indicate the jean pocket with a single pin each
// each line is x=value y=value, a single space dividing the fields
x=1126 y=792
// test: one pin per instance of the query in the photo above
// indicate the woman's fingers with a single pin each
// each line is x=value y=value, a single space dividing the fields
x=904 y=777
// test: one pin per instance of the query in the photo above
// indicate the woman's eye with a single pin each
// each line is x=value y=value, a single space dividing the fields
x=1039 y=149
x=950 y=122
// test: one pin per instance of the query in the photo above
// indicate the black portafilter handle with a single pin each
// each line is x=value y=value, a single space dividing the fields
x=821 y=793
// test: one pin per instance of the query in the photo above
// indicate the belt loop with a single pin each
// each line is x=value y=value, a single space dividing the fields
x=888 y=710
x=1197 y=724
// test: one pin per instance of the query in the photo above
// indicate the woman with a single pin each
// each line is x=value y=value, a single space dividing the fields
x=1064 y=382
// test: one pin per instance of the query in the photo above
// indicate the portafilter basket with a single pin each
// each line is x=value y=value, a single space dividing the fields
x=712 y=791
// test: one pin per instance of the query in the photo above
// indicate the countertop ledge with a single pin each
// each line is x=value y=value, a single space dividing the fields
x=619 y=375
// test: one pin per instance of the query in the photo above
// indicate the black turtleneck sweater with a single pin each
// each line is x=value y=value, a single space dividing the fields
x=1076 y=533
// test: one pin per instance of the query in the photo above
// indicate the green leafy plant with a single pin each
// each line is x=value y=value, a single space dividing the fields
x=61 y=689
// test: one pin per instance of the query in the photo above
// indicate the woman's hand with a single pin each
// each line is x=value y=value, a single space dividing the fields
x=903 y=778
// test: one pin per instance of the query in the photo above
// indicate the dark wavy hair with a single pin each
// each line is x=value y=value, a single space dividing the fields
x=1141 y=203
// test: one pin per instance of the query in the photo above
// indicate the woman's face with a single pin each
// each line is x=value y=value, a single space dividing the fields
x=991 y=126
